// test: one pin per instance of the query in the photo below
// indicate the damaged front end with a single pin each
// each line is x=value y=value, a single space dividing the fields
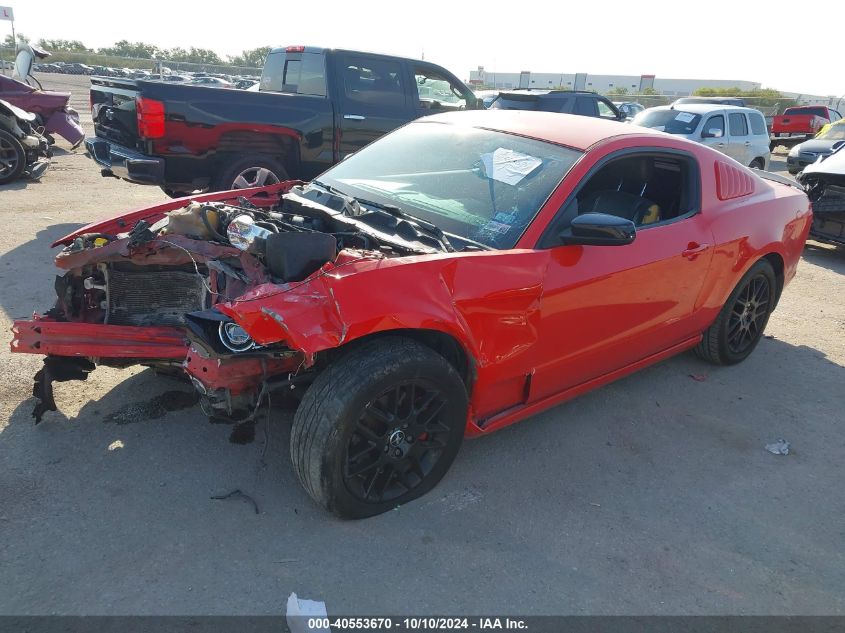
x=24 y=150
x=151 y=288
x=824 y=182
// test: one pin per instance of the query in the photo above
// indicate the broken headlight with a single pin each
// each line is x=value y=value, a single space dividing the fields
x=244 y=234
x=234 y=337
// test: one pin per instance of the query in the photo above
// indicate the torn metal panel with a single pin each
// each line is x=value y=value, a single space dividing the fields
x=490 y=304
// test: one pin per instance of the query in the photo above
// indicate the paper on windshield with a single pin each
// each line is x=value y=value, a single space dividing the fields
x=508 y=166
x=685 y=117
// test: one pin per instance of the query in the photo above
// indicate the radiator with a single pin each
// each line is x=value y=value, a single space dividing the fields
x=152 y=295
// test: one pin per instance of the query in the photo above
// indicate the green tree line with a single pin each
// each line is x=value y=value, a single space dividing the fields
x=141 y=50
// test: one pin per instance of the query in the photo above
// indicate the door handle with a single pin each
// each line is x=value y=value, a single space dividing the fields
x=694 y=249
x=354 y=117
x=720 y=144
x=748 y=142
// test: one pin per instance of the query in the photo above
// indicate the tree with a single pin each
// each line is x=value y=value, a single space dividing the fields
x=8 y=42
x=62 y=46
x=124 y=48
x=762 y=98
x=253 y=57
x=649 y=91
x=193 y=55
x=619 y=91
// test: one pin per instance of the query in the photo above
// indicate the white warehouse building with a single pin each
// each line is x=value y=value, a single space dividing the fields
x=600 y=83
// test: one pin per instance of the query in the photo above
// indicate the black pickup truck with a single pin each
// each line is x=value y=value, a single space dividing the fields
x=313 y=107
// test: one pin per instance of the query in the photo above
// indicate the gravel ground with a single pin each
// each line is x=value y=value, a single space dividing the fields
x=653 y=495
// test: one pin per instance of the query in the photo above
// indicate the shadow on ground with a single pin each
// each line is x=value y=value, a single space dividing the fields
x=826 y=255
x=651 y=495
x=24 y=267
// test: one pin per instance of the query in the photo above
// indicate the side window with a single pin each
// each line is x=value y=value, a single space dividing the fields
x=436 y=92
x=739 y=127
x=555 y=104
x=715 y=126
x=305 y=76
x=834 y=116
x=373 y=81
x=758 y=124
x=586 y=106
x=645 y=188
x=605 y=111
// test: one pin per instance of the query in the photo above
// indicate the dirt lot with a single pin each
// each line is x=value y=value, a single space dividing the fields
x=650 y=496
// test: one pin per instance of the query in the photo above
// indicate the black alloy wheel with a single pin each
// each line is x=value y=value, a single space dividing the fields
x=749 y=314
x=378 y=427
x=396 y=442
x=742 y=319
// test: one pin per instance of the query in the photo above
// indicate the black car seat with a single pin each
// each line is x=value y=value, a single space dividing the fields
x=641 y=211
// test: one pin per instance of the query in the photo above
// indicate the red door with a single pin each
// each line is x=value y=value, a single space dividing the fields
x=605 y=307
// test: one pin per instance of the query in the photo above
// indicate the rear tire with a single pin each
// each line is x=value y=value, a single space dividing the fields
x=256 y=170
x=740 y=324
x=758 y=163
x=12 y=158
x=378 y=428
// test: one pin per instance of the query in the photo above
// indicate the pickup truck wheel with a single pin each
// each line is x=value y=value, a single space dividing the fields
x=740 y=324
x=12 y=157
x=250 y=171
x=378 y=428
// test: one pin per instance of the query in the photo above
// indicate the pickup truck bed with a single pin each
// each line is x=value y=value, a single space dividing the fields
x=800 y=123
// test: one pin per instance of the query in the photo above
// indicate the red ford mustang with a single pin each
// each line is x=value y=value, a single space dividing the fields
x=456 y=276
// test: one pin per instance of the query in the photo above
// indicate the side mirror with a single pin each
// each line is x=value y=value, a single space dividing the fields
x=23 y=64
x=712 y=133
x=599 y=229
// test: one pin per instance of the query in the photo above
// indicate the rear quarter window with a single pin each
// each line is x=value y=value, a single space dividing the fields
x=758 y=124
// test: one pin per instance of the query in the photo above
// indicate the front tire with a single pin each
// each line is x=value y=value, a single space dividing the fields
x=740 y=324
x=12 y=158
x=378 y=428
x=757 y=163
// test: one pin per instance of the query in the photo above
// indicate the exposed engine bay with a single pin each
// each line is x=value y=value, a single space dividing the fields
x=170 y=272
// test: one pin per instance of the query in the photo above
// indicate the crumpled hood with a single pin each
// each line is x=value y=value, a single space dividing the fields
x=833 y=164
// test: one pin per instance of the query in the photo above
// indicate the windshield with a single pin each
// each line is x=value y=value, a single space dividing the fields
x=478 y=184
x=671 y=121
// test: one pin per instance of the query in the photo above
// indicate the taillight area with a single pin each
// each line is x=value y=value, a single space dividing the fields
x=150 y=115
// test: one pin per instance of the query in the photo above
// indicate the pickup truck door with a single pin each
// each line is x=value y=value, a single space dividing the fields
x=436 y=91
x=373 y=97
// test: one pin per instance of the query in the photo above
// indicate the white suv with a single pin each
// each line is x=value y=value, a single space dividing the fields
x=738 y=132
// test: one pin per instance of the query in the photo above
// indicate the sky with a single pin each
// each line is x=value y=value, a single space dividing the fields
x=667 y=39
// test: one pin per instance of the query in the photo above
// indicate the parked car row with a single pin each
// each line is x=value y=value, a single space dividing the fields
x=217 y=79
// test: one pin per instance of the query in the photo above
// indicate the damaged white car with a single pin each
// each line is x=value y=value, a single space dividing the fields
x=824 y=181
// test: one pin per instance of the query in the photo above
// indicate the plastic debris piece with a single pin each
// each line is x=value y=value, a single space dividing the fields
x=117 y=444
x=698 y=377
x=300 y=611
x=781 y=447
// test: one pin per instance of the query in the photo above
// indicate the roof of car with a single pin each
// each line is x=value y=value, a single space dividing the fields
x=546 y=92
x=703 y=108
x=579 y=132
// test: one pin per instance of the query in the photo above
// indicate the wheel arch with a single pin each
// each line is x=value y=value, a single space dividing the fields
x=778 y=264
x=444 y=343
x=236 y=144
